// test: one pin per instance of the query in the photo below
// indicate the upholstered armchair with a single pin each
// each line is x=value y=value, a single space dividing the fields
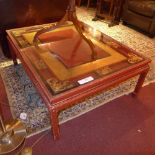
x=140 y=14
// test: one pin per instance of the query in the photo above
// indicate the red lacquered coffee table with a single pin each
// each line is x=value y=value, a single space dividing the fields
x=63 y=71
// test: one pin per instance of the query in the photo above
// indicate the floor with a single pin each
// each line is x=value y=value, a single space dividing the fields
x=125 y=126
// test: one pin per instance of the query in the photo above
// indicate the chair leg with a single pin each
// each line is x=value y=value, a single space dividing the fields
x=111 y=7
x=151 y=35
x=79 y=3
x=88 y=4
x=124 y=22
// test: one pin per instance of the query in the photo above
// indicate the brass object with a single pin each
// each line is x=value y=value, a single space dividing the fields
x=40 y=64
x=133 y=58
x=113 y=44
x=12 y=135
x=69 y=16
x=26 y=151
x=103 y=71
x=29 y=37
x=58 y=86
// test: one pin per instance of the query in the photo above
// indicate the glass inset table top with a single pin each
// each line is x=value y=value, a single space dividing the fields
x=64 y=58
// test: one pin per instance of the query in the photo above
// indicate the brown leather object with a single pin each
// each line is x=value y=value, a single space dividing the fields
x=139 y=7
x=140 y=14
x=19 y=13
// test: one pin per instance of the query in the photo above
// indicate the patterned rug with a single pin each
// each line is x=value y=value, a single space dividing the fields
x=24 y=98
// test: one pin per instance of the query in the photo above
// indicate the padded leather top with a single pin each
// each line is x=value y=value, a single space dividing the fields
x=143 y=7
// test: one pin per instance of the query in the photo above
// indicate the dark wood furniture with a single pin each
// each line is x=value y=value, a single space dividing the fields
x=19 y=13
x=140 y=15
x=78 y=2
x=109 y=10
x=105 y=8
x=64 y=75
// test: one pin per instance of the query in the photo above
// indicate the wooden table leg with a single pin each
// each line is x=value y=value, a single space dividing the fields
x=55 y=124
x=14 y=58
x=140 y=82
x=88 y=3
x=13 y=55
x=78 y=2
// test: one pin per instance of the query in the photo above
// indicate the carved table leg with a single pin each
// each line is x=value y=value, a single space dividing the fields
x=13 y=55
x=55 y=124
x=140 y=82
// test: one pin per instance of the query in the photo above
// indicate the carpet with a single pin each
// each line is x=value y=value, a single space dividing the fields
x=24 y=98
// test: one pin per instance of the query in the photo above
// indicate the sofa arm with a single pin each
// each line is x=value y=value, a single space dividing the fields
x=152 y=28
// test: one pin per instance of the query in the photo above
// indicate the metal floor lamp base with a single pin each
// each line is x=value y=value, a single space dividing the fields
x=12 y=136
